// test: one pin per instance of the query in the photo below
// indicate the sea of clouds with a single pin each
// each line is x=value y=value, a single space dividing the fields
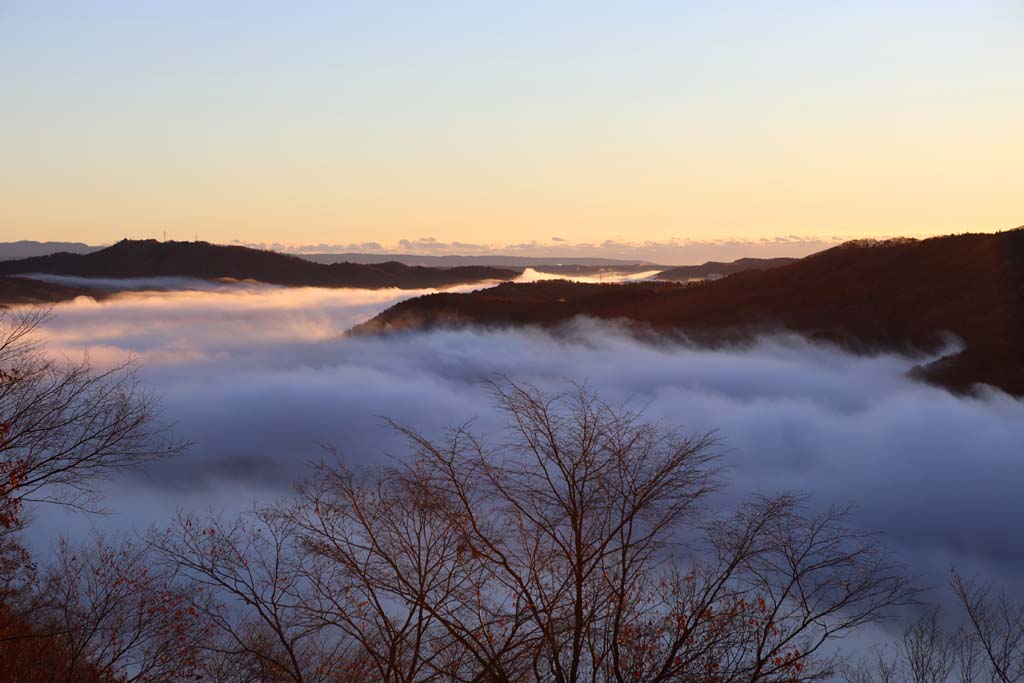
x=262 y=378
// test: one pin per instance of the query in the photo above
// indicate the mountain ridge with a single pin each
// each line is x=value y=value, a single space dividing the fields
x=149 y=258
x=712 y=269
x=896 y=295
x=30 y=248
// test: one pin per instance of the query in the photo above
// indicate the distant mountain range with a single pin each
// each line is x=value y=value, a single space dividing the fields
x=153 y=259
x=567 y=266
x=30 y=248
x=901 y=295
x=717 y=269
x=149 y=258
x=450 y=260
x=898 y=295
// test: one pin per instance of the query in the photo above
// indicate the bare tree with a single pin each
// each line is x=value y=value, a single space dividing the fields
x=103 y=611
x=62 y=423
x=390 y=573
x=773 y=587
x=259 y=583
x=579 y=549
x=996 y=625
x=927 y=653
x=62 y=426
x=987 y=646
x=930 y=653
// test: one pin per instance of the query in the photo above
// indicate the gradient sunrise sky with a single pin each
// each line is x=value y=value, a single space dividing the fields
x=485 y=122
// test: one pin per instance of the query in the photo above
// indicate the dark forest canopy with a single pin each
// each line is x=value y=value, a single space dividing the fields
x=897 y=295
x=23 y=290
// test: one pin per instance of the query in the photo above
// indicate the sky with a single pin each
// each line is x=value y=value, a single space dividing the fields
x=532 y=124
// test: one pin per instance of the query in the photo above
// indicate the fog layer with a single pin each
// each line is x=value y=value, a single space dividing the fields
x=262 y=378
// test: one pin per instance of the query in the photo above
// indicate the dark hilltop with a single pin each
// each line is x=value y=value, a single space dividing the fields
x=866 y=296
